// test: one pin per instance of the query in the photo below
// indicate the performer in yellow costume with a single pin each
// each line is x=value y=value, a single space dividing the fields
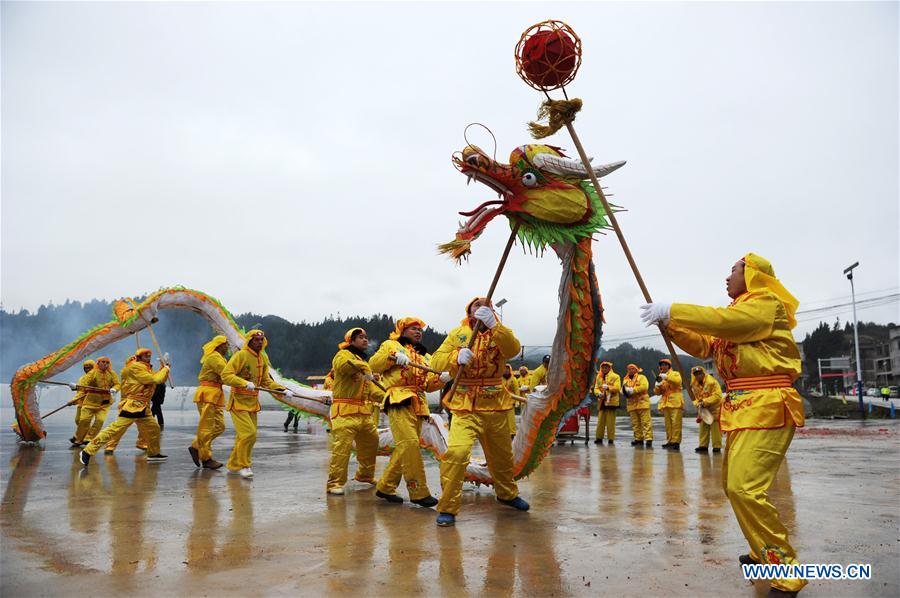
x=513 y=386
x=707 y=393
x=671 y=403
x=138 y=383
x=607 y=388
x=539 y=375
x=755 y=353
x=405 y=404
x=479 y=407
x=351 y=413
x=78 y=399
x=141 y=442
x=246 y=372
x=210 y=400
x=636 y=387
x=96 y=403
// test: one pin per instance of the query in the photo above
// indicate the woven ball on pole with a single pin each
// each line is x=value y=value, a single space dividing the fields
x=548 y=55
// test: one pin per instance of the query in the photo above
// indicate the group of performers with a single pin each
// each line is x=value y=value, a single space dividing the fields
x=750 y=342
x=609 y=387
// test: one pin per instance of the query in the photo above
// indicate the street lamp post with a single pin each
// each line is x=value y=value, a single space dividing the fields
x=500 y=304
x=859 y=383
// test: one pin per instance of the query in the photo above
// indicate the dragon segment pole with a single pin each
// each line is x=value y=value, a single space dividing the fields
x=637 y=273
x=490 y=293
x=158 y=350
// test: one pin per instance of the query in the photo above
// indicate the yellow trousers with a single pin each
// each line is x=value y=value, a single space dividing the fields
x=344 y=431
x=376 y=415
x=141 y=442
x=512 y=422
x=244 y=438
x=92 y=418
x=707 y=430
x=211 y=424
x=491 y=428
x=147 y=427
x=606 y=421
x=752 y=459
x=673 y=424
x=641 y=424
x=406 y=458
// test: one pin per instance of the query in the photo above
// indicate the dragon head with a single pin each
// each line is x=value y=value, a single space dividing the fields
x=547 y=192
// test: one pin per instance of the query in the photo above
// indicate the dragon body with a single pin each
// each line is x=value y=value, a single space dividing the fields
x=549 y=195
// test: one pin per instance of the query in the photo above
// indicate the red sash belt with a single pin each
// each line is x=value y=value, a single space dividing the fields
x=758 y=382
x=209 y=384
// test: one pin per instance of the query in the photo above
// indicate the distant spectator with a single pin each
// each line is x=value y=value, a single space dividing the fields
x=159 y=397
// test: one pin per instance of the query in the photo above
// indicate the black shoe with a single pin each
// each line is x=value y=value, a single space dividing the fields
x=157 y=458
x=777 y=592
x=675 y=447
x=390 y=497
x=637 y=443
x=285 y=427
x=715 y=450
x=73 y=440
x=649 y=444
x=195 y=455
x=427 y=502
x=598 y=441
x=84 y=458
x=610 y=442
x=667 y=445
x=701 y=449
x=746 y=559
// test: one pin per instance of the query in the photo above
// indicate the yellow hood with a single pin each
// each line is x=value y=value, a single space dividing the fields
x=213 y=345
x=403 y=324
x=349 y=335
x=760 y=275
x=250 y=334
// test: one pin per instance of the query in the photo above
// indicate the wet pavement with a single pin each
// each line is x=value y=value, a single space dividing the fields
x=604 y=520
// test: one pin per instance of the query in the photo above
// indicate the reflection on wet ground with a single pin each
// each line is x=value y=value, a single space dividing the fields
x=604 y=519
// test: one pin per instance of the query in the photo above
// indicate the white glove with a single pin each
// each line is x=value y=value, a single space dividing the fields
x=446 y=377
x=629 y=391
x=288 y=394
x=523 y=388
x=113 y=391
x=657 y=385
x=605 y=387
x=486 y=315
x=663 y=376
x=651 y=313
x=401 y=358
x=369 y=377
x=465 y=356
x=73 y=387
x=250 y=386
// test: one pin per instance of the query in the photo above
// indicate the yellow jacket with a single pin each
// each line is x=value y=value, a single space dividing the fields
x=80 y=393
x=247 y=366
x=138 y=383
x=98 y=379
x=404 y=383
x=610 y=397
x=512 y=384
x=352 y=394
x=481 y=385
x=538 y=376
x=639 y=399
x=751 y=338
x=709 y=394
x=670 y=389
x=209 y=389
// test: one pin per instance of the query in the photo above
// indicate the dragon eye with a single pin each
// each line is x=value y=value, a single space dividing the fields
x=529 y=179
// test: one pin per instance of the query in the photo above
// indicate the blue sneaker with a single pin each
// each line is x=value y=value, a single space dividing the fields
x=446 y=519
x=516 y=503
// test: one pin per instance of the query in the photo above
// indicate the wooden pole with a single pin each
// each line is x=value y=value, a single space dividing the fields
x=280 y=393
x=477 y=329
x=637 y=273
x=158 y=350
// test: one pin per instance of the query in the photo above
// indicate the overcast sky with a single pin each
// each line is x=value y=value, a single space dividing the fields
x=294 y=159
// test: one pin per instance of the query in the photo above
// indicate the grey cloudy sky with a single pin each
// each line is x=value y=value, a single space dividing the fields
x=295 y=158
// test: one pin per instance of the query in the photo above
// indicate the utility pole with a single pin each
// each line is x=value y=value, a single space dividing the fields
x=821 y=379
x=859 y=383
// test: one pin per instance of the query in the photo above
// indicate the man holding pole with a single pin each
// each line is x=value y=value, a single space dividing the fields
x=138 y=383
x=479 y=406
x=671 y=403
x=96 y=402
x=351 y=413
x=246 y=373
x=754 y=351
x=707 y=395
x=607 y=387
x=78 y=399
x=405 y=405
x=210 y=400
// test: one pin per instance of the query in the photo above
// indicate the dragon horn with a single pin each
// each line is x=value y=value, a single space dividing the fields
x=569 y=167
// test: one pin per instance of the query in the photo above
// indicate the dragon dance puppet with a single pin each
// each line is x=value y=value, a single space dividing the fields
x=548 y=197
